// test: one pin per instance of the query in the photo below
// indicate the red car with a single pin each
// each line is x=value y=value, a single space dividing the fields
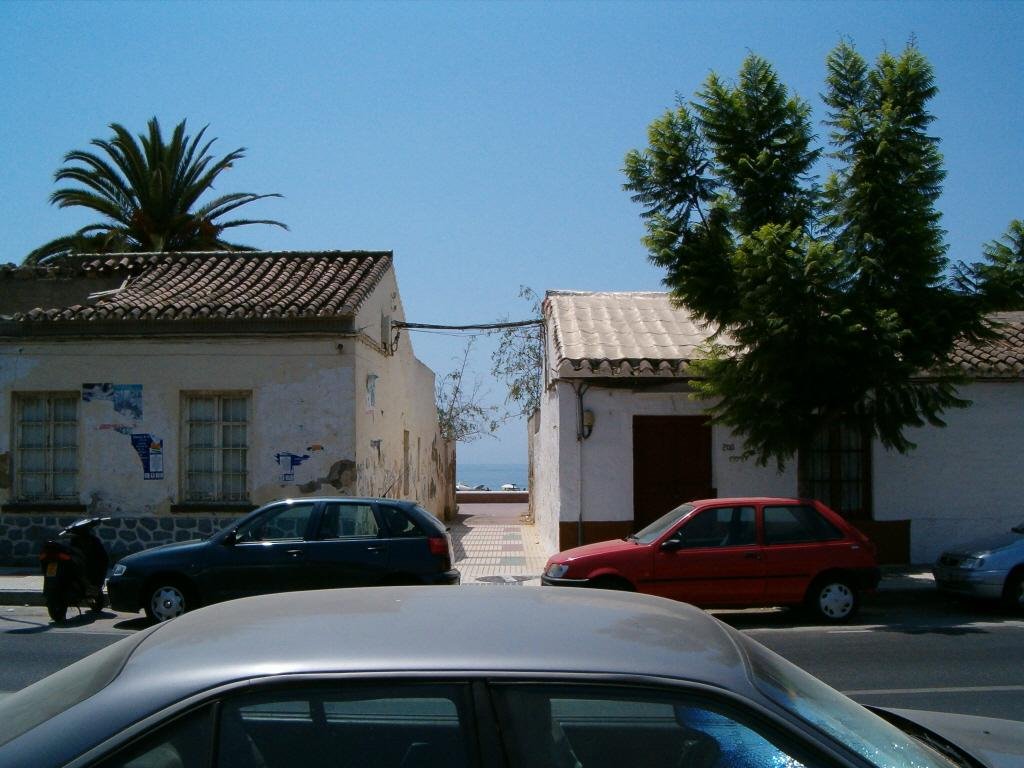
x=734 y=553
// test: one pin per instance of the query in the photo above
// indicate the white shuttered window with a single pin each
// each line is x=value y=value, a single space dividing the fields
x=46 y=452
x=216 y=447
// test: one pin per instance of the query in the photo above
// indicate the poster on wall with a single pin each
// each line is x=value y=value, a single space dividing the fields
x=151 y=453
x=126 y=398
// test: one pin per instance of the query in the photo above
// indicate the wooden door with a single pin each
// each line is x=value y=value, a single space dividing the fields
x=671 y=464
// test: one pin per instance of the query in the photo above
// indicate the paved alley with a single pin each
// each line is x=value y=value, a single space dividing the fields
x=494 y=546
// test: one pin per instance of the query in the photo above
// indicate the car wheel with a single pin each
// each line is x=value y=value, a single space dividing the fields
x=166 y=600
x=833 y=599
x=1013 y=592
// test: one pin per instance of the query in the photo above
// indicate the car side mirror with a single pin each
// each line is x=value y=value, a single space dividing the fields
x=671 y=545
x=230 y=540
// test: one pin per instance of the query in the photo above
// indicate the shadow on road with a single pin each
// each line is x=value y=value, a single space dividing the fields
x=140 y=622
x=83 y=619
x=30 y=628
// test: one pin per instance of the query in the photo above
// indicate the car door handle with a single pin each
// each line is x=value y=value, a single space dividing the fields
x=375 y=548
x=295 y=552
x=752 y=556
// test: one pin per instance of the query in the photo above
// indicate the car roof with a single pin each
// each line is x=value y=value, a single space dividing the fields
x=446 y=632
x=438 y=629
x=365 y=499
x=750 y=500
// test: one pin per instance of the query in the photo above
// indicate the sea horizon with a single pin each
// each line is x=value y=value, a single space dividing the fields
x=491 y=475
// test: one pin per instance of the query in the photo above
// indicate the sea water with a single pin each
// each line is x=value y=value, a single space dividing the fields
x=492 y=475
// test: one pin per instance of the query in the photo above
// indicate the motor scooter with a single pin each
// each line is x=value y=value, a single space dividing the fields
x=74 y=566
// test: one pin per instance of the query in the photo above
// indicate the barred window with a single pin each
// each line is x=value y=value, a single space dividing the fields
x=837 y=469
x=46 y=446
x=216 y=447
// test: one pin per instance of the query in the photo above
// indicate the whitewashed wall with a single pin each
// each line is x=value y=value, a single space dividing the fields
x=548 y=473
x=301 y=395
x=402 y=400
x=963 y=481
x=599 y=470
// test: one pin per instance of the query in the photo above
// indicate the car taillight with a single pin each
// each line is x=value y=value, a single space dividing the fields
x=438 y=545
x=439 y=548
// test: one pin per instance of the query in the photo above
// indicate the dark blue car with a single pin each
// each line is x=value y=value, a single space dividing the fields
x=289 y=545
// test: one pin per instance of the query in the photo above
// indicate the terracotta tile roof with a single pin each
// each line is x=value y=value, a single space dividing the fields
x=235 y=285
x=1000 y=358
x=620 y=334
x=641 y=334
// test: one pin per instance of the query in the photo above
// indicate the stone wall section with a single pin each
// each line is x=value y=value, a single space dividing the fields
x=22 y=535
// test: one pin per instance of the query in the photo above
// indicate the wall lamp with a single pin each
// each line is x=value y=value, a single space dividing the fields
x=587 y=423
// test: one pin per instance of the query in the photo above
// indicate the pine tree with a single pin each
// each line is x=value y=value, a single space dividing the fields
x=827 y=301
x=999 y=280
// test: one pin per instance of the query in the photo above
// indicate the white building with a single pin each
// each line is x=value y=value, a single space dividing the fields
x=620 y=440
x=174 y=391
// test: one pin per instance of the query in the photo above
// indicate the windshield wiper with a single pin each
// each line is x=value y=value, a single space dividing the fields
x=918 y=732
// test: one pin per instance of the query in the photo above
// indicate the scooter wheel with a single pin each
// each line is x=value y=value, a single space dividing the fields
x=58 y=611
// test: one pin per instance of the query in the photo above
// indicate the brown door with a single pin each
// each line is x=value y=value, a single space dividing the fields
x=671 y=464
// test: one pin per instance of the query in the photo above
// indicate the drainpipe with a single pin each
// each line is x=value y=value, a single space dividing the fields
x=582 y=433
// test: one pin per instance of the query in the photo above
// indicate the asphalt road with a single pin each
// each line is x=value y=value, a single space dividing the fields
x=938 y=655
x=932 y=655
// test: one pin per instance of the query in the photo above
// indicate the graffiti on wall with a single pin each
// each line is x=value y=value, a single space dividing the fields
x=288 y=461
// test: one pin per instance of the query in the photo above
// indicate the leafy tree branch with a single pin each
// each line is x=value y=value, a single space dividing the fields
x=148 y=192
x=828 y=301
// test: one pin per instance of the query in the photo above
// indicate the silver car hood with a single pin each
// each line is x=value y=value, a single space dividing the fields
x=996 y=743
x=991 y=543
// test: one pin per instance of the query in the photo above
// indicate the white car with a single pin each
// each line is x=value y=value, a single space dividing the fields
x=991 y=568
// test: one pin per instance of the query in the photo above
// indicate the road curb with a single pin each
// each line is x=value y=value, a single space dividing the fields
x=21 y=597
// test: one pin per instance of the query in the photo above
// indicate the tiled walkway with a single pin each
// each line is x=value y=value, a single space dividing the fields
x=493 y=546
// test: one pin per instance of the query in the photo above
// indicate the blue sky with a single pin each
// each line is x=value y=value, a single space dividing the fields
x=481 y=142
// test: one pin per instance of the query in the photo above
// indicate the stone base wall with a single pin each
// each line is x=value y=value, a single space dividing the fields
x=22 y=535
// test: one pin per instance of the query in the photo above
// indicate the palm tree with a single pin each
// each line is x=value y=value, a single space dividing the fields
x=147 y=190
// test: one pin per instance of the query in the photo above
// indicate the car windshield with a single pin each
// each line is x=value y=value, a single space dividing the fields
x=877 y=741
x=654 y=531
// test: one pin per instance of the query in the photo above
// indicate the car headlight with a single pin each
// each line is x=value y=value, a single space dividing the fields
x=556 y=570
x=119 y=570
x=972 y=563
